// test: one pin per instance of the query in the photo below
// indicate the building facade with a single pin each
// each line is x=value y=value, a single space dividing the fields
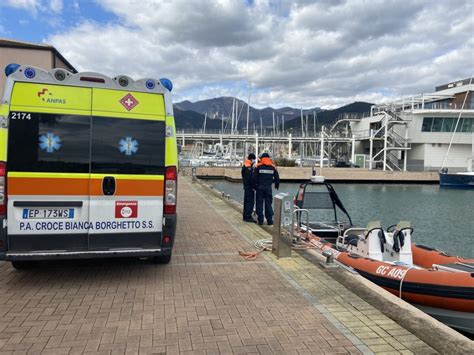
x=415 y=133
x=38 y=55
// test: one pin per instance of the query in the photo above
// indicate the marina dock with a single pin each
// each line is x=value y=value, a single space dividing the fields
x=331 y=174
x=208 y=300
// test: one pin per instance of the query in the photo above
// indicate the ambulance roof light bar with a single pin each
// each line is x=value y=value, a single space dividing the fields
x=79 y=79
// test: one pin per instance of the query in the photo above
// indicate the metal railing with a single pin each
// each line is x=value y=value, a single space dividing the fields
x=397 y=140
x=268 y=133
x=392 y=162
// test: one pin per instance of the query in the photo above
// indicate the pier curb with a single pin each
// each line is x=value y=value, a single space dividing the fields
x=434 y=333
x=431 y=331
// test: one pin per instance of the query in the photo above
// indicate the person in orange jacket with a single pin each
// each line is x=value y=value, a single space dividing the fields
x=249 y=190
x=265 y=175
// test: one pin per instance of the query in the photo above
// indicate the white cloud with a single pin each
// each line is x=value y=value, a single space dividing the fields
x=299 y=53
x=35 y=6
x=56 y=6
x=23 y=4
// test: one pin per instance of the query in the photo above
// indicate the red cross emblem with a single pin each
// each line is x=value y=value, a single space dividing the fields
x=128 y=101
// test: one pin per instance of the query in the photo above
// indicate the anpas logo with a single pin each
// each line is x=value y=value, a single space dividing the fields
x=47 y=96
x=126 y=209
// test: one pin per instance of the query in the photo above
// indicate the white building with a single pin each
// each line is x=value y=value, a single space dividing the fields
x=414 y=133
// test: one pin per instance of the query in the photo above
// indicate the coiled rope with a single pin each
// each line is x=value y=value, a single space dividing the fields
x=266 y=245
x=261 y=245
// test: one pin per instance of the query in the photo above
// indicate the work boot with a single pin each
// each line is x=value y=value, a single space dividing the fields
x=250 y=220
x=260 y=223
x=270 y=223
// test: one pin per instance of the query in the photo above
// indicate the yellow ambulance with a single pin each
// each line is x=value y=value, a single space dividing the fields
x=88 y=166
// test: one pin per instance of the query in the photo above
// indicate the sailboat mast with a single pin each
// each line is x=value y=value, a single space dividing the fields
x=248 y=108
x=306 y=133
x=314 y=123
x=302 y=123
x=232 y=117
x=273 y=118
x=456 y=125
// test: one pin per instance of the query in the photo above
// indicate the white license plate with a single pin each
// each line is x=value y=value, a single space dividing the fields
x=48 y=213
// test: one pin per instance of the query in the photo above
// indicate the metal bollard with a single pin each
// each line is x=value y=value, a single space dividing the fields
x=329 y=260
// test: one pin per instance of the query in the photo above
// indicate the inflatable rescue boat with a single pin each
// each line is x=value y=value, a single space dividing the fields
x=437 y=283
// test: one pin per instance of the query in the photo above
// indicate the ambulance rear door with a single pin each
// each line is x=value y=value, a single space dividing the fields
x=48 y=168
x=127 y=170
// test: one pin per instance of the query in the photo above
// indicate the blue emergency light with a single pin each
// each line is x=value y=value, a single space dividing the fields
x=167 y=83
x=11 y=68
x=150 y=84
x=29 y=73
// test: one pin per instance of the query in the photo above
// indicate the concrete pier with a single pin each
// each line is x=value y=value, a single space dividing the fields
x=208 y=300
x=331 y=174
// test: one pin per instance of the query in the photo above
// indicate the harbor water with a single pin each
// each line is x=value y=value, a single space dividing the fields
x=441 y=218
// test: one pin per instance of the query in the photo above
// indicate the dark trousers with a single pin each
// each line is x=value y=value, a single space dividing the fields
x=264 y=196
x=249 y=202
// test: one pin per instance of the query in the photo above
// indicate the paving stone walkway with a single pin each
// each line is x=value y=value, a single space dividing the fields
x=208 y=300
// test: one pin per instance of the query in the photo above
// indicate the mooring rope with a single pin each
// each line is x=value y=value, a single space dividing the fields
x=401 y=282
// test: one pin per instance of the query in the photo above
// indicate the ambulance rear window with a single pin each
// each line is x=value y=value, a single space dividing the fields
x=127 y=146
x=45 y=142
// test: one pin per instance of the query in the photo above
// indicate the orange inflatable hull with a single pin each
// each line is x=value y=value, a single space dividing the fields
x=433 y=288
x=426 y=257
x=427 y=287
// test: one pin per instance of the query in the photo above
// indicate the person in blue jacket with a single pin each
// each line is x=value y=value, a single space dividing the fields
x=249 y=189
x=265 y=175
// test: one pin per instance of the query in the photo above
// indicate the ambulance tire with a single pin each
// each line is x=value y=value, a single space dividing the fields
x=162 y=259
x=22 y=265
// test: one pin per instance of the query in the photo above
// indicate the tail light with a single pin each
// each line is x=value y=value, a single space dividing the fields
x=3 y=189
x=171 y=178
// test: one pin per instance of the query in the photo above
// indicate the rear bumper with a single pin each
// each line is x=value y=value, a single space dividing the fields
x=78 y=250
x=86 y=254
x=169 y=228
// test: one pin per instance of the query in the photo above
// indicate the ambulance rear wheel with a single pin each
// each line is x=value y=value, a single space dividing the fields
x=162 y=259
x=22 y=265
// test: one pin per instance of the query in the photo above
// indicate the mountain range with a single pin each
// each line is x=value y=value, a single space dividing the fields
x=191 y=115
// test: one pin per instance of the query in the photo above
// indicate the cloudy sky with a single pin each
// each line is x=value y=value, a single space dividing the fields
x=300 y=53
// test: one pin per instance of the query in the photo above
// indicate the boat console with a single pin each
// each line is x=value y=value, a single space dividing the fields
x=390 y=245
x=321 y=203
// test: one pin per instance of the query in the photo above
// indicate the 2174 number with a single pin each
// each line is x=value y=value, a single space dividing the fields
x=20 y=116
